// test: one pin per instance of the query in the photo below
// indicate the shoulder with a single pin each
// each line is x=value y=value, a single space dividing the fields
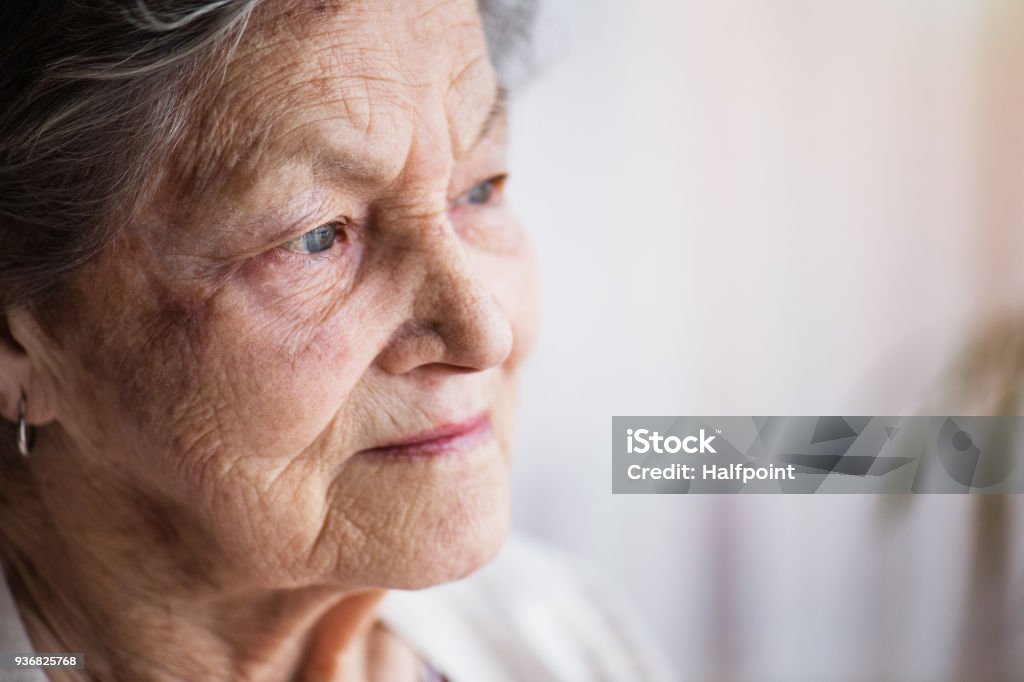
x=532 y=613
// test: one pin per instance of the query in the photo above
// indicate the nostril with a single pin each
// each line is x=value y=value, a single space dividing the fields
x=446 y=368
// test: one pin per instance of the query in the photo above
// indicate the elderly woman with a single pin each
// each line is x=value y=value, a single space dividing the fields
x=263 y=306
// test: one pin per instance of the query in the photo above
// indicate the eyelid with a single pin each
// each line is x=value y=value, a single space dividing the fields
x=497 y=180
x=338 y=225
x=300 y=213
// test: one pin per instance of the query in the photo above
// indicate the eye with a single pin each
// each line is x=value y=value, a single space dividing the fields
x=315 y=241
x=484 y=192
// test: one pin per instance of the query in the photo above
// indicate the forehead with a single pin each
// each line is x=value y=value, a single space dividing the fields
x=371 y=78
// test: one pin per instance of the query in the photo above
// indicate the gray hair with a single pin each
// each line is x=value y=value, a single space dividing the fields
x=95 y=95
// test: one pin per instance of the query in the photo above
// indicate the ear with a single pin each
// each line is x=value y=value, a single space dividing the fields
x=19 y=375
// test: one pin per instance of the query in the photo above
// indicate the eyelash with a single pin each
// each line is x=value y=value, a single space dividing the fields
x=494 y=187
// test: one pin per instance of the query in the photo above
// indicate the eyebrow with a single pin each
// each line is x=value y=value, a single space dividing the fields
x=497 y=113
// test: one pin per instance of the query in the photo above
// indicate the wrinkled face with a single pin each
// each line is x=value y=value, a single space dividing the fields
x=300 y=363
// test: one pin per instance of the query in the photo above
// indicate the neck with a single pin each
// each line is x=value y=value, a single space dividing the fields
x=86 y=579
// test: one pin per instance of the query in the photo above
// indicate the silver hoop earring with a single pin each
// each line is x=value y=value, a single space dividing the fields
x=26 y=434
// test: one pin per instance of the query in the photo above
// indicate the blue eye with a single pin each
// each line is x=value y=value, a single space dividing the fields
x=314 y=241
x=483 y=193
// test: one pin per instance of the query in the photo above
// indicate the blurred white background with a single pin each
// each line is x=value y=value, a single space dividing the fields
x=786 y=207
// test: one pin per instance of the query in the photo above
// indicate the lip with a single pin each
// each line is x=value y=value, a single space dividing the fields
x=439 y=440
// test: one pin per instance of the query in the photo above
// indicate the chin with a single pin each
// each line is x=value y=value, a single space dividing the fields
x=457 y=542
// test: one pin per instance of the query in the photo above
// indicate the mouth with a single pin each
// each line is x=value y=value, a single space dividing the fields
x=439 y=440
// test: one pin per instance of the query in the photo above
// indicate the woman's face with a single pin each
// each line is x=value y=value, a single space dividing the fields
x=327 y=269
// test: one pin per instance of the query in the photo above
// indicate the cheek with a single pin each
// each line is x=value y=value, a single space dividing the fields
x=526 y=322
x=205 y=381
x=514 y=281
x=275 y=380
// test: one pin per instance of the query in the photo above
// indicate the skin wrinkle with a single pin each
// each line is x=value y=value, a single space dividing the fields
x=254 y=146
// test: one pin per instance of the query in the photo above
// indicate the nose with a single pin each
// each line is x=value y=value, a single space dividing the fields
x=456 y=322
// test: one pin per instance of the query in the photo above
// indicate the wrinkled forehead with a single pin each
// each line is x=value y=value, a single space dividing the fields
x=368 y=77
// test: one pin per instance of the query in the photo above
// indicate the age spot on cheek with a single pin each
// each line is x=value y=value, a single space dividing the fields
x=160 y=351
